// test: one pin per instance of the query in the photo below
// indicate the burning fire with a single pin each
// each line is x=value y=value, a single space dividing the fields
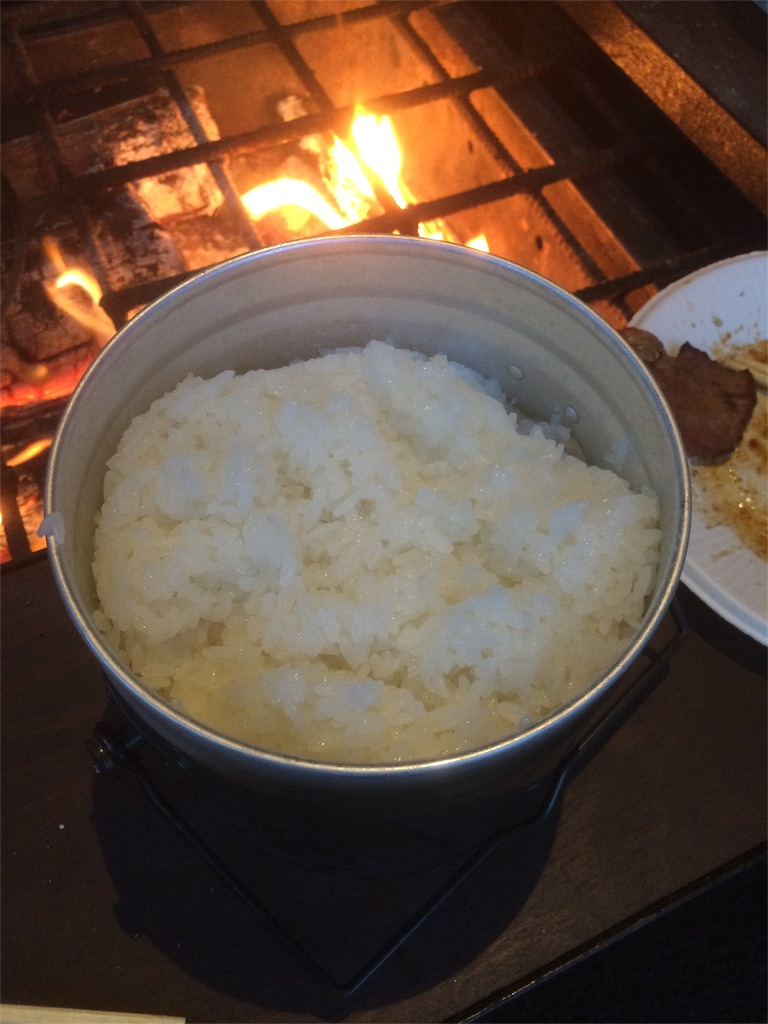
x=480 y=242
x=373 y=158
x=83 y=280
x=379 y=150
x=287 y=194
x=31 y=450
x=75 y=293
x=357 y=174
x=67 y=292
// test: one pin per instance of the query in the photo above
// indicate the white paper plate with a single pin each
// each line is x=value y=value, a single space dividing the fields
x=723 y=305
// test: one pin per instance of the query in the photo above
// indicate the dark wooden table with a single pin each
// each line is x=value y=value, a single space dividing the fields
x=105 y=907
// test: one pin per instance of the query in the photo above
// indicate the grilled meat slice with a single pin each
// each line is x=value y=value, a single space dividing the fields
x=711 y=403
x=645 y=344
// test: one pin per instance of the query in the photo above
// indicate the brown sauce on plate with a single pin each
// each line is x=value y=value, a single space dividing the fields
x=735 y=491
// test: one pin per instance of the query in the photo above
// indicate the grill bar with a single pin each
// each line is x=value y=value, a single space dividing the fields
x=660 y=273
x=47 y=131
x=118 y=304
x=280 y=133
x=13 y=525
x=572 y=168
x=740 y=155
x=67 y=84
x=288 y=48
x=175 y=89
x=483 y=131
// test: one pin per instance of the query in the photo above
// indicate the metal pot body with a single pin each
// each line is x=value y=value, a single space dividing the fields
x=291 y=302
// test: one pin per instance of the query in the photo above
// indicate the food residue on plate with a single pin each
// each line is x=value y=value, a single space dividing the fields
x=734 y=491
x=723 y=418
x=752 y=357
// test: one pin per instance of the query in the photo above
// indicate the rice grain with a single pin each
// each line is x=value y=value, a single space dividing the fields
x=365 y=558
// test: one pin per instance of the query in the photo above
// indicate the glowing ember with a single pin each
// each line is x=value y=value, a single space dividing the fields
x=42 y=386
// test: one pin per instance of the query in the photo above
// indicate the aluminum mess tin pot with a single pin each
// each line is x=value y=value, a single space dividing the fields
x=295 y=301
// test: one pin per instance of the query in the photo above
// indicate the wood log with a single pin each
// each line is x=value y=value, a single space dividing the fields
x=141 y=128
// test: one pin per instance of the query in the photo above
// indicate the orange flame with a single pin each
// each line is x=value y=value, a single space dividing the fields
x=63 y=294
x=84 y=281
x=348 y=183
x=479 y=242
x=377 y=154
x=292 y=192
x=30 y=452
x=379 y=149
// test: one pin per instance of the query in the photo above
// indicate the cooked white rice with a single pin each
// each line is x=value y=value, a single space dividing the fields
x=365 y=557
